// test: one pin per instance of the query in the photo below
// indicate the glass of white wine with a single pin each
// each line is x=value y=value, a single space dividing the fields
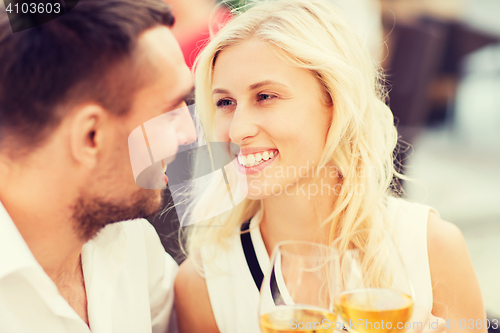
x=374 y=294
x=297 y=291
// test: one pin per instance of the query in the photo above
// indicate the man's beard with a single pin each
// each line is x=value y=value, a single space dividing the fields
x=92 y=214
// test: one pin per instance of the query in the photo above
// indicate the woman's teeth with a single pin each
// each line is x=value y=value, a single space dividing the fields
x=256 y=159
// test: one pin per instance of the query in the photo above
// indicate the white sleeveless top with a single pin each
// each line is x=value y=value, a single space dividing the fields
x=234 y=295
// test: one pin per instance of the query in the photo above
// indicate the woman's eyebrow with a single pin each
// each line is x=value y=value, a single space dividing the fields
x=219 y=91
x=252 y=87
x=266 y=82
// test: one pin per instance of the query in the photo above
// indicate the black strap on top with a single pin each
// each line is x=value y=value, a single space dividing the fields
x=254 y=266
x=250 y=255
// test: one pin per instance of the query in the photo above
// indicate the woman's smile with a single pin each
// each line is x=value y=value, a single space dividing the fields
x=252 y=163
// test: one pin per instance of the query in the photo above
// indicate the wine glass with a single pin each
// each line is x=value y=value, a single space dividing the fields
x=374 y=294
x=297 y=291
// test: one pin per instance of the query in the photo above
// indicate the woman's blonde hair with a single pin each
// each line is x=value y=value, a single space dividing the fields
x=311 y=34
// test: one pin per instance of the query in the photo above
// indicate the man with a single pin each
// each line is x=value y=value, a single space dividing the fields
x=71 y=91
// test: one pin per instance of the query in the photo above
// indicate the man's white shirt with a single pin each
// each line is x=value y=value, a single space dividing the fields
x=128 y=279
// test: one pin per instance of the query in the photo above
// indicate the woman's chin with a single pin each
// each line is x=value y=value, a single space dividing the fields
x=255 y=197
x=258 y=190
x=257 y=193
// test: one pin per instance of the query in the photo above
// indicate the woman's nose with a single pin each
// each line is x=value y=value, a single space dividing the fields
x=243 y=125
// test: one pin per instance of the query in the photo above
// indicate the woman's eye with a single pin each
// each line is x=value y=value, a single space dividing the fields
x=264 y=97
x=221 y=103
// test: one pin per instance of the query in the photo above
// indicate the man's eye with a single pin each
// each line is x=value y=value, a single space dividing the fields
x=221 y=103
x=190 y=99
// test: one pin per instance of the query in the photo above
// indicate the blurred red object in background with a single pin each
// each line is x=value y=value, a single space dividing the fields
x=194 y=21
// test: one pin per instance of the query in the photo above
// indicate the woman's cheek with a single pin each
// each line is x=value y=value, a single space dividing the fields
x=222 y=125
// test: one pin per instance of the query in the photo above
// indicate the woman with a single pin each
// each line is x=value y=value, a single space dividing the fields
x=292 y=86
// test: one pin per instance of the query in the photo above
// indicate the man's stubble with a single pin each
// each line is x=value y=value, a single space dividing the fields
x=91 y=214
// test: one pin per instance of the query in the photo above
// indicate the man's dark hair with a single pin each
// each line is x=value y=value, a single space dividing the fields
x=86 y=55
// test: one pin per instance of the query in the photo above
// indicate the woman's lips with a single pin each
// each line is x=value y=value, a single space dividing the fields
x=256 y=168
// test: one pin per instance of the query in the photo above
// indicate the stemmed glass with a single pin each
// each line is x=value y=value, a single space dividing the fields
x=374 y=291
x=297 y=291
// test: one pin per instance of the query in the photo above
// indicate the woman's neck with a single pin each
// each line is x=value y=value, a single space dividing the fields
x=299 y=216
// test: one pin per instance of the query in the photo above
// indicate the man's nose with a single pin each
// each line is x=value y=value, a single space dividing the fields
x=186 y=131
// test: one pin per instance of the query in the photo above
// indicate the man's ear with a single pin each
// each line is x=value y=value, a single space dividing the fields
x=86 y=134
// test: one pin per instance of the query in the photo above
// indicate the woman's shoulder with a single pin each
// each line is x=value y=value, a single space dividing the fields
x=191 y=289
x=454 y=282
x=219 y=258
x=436 y=227
x=396 y=203
x=409 y=216
x=442 y=233
x=431 y=247
x=190 y=275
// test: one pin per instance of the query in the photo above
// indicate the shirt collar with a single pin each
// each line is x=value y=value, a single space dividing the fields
x=14 y=252
x=104 y=255
x=102 y=260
